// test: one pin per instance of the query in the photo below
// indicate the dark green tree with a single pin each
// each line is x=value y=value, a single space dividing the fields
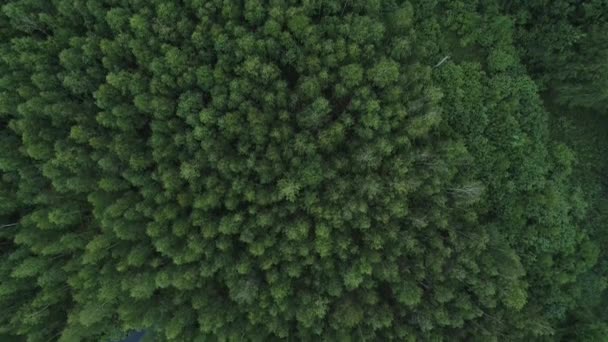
x=301 y=170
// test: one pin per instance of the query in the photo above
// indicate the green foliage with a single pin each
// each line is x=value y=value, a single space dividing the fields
x=564 y=45
x=300 y=170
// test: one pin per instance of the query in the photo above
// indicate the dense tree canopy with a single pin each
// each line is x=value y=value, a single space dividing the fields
x=564 y=43
x=340 y=170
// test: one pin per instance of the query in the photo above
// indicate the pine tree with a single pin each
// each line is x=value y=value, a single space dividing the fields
x=268 y=170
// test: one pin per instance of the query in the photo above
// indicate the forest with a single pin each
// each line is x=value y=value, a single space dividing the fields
x=304 y=170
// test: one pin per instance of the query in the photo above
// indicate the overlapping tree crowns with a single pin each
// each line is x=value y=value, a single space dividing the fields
x=264 y=170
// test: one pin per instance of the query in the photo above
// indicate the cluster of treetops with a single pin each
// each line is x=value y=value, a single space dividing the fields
x=304 y=170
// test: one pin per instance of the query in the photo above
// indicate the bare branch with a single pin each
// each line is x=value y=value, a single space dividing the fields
x=442 y=61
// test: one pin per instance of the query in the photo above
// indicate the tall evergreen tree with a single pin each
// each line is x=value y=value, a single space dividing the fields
x=269 y=170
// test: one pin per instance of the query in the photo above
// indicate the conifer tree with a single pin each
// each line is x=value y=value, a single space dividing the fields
x=283 y=170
